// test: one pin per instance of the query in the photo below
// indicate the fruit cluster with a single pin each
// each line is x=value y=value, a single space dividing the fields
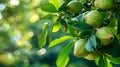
x=95 y=19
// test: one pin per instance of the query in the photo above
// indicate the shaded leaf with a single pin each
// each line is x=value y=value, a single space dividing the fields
x=82 y=26
x=66 y=1
x=108 y=62
x=77 y=24
x=70 y=21
x=48 y=7
x=79 y=18
x=115 y=60
x=63 y=7
x=85 y=33
x=113 y=48
x=91 y=43
x=63 y=57
x=102 y=62
x=42 y=38
x=114 y=30
x=71 y=30
x=59 y=40
x=50 y=32
x=113 y=22
x=48 y=16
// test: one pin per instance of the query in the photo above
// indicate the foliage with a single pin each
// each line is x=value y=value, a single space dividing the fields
x=31 y=28
x=74 y=24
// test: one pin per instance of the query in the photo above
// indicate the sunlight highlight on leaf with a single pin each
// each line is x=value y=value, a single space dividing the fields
x=57 y=3
x=63 y=57
x=59 y=40
x=56 y=27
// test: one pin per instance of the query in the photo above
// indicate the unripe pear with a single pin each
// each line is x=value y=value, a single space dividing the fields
x=105 y=35
x=104 y=4
x=75 y=6
x=79 y=48
x=92 y=56
x=94 y=18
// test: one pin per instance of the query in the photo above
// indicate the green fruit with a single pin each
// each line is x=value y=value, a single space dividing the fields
x=79 y=48
x=92 y=56
x=104 y=4
x=94 y=18
x=74 y=6
x=105 y=35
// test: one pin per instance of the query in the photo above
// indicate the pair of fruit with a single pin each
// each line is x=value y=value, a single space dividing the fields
x=80 y=50
x=95 y=19
x=76 y=6
x=106 y=37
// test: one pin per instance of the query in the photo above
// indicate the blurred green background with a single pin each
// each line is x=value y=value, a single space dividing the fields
x=20 y=27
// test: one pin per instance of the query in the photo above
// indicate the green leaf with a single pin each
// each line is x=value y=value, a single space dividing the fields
x=78 y=22
x=71 y=30
x=97 y=61
x=66 y=1
x=80 y=17
x=59 y=40
x=85 y=33
x=48 y=7
x=109 y=63
x=82 y=26
x=42 y=38
x=56 y=27
x=115 y=60
x=48 y=16
x=102 y=62
x=63 y=57
x=63 y=7
x=114 y=30
x=113 y=22
x=91 y=43
x=57 y=3
x=50 y=33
